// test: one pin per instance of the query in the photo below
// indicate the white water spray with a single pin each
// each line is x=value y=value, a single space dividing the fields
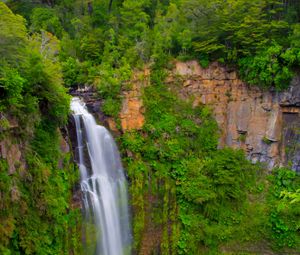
x=103 y=185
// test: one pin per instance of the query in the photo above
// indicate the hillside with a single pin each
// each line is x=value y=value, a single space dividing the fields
x=202 y=98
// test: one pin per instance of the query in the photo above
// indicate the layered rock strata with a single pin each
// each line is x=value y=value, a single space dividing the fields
x=264 y=123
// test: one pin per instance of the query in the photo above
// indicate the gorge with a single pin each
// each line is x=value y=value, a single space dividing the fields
x=150 y=127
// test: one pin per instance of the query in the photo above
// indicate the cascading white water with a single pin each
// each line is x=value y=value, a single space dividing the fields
x=103 y=185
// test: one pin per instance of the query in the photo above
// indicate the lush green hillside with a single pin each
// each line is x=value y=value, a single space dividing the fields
x=35 y=212
x=194 y=198
x=259 y=37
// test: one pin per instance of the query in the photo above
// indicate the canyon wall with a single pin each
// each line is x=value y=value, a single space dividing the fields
x=264 y=123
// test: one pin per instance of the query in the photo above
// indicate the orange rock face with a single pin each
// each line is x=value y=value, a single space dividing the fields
x=265 y=124
x=132 y=113
x=112 y=125
x=248 y=118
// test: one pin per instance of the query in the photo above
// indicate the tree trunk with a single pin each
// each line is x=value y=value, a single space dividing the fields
x=110 y=5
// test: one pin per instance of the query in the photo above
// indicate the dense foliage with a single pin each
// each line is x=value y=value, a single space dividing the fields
x=198 y=198
x=259 y=37
x=120 y=32
x=35 y=213
x=188 y=197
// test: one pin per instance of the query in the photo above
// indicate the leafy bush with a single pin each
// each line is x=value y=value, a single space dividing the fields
x=11 y=84
x=284 y=217
x=271 y=67
x=71 y=71
x=45 y=19
x=111 y=107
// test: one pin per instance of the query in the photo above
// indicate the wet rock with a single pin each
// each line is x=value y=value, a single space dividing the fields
x=64 y=146
x=93 y=103
x=76 y=201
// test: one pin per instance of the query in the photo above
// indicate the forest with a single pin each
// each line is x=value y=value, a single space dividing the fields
x=204 y=200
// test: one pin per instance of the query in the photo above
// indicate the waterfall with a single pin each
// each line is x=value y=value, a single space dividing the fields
x=103 y=185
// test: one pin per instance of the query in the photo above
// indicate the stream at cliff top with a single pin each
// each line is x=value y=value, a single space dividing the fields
x=104 y=187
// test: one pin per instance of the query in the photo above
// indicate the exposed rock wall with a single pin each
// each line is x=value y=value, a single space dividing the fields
x=132 y=113
x=263 y=123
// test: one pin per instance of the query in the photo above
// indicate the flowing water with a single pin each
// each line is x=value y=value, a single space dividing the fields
x=104 y=187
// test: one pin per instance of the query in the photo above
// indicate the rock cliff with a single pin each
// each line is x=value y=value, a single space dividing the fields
x=132 y=112
x=265 y=124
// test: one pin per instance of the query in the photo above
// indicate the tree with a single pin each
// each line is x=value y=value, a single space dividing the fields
x=13 y=36
x=45 y=19
x=110 y=5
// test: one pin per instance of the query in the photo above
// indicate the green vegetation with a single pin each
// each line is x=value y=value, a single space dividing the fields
x=258 y=37
x=189 y=196
x=103 y=40
x=206 y=195
x=35 y=212
x=36 y=217
x=284 y=215
x=266 y=140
